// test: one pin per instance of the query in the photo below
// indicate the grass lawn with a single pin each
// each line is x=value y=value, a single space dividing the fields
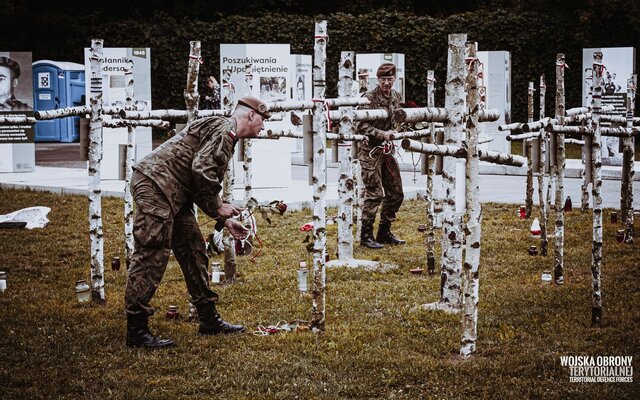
x=374 y=345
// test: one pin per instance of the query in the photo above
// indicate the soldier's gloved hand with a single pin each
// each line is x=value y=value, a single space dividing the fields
x=229 y=211
x=237 y=229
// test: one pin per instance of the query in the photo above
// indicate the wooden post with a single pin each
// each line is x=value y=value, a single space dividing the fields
x=345 y=182
x=319 y=178
x=470 y=274
x=429 y=160
x=544 y=209
x=130 y=160
x=558 y=139
x=626 y=201
x=526 y=143
x=451 y=258
x=95 y=159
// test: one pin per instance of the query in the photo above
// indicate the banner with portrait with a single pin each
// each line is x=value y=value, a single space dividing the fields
x=17 y=148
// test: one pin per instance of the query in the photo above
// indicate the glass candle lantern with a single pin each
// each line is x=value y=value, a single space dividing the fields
x=172 y=312
x=83 y=291
x=115 y=264
x=3 y=281
x=303 y=274
x=216 y=272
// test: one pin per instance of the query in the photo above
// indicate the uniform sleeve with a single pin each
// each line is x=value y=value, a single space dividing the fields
x=207 y=168
x=365 y=127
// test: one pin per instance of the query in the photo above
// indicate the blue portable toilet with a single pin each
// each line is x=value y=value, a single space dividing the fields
x=58 y=84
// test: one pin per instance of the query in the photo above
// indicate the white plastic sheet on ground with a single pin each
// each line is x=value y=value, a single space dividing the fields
x=35 y=217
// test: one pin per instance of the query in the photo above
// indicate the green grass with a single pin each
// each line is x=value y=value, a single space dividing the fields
x=373 y=347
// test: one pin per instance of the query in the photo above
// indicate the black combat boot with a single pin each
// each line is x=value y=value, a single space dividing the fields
x=138 y=334
x=386 y=236
x=366 y=236
x=211 y=323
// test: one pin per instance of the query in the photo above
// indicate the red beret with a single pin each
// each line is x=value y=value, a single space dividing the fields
x=255 y=104
x=386 y=69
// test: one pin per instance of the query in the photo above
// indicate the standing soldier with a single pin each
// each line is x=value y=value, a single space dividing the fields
x=380 y=171
x=188 y=168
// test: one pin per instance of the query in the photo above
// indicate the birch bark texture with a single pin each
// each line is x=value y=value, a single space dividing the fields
x=526 y=143
x=544 y=208
x=451 y=258
x=319 y=178
x=345 y=182
x=596 y=162
x=247 y=157
x=130 y=160
x=95 y=158
x=191 y=95
x=470 y=273
x=430 y=170
x=626 y=203
x=586 y=152
x=558 y=138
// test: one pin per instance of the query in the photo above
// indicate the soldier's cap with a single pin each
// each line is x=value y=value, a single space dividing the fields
x=256 y=105
x=386 y=69
x=12 y=65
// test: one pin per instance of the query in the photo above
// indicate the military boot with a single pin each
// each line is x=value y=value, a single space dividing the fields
x=211 y=323
x=366 y=237
x=138 y=334
x=386 y=236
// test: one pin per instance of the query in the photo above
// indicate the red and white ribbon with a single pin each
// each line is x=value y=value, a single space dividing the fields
x=326 y=108
x=199 y=58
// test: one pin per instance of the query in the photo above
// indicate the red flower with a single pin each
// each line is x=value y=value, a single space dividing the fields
x=307 y=227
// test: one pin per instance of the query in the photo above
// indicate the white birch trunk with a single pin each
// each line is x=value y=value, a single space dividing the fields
x=79 y=111
x=528 y=153
x=319 y=179
x=130 y=160
x=451 y=258
x=626 y=203
x=358 y=185
x=345 y=182
x=586 y=175
x=454 y=152
x=431 y=162
x=360 y=115
x=18 y=120
x=95 y=158
x=558 y=271
x=191 y=96
x=544 y=241
x=470 y=275
x=247 y=157
x=596 y=162
x=126 y=123
x=227 y=239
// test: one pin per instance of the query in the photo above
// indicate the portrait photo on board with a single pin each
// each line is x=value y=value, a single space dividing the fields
x=16 y=86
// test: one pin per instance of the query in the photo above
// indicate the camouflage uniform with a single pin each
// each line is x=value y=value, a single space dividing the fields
x=185 y=169
x=380 y=171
